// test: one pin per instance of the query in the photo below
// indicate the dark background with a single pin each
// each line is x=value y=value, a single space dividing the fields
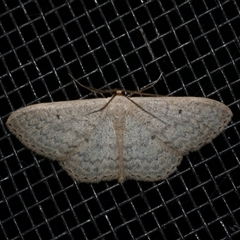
x=110 y=44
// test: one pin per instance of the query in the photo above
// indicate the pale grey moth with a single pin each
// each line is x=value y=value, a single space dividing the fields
x=143 y=139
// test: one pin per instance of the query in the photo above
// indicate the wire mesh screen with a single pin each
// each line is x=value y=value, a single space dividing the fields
x=109 y=44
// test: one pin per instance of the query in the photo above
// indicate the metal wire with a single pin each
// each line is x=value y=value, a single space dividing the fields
x=109 y=44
